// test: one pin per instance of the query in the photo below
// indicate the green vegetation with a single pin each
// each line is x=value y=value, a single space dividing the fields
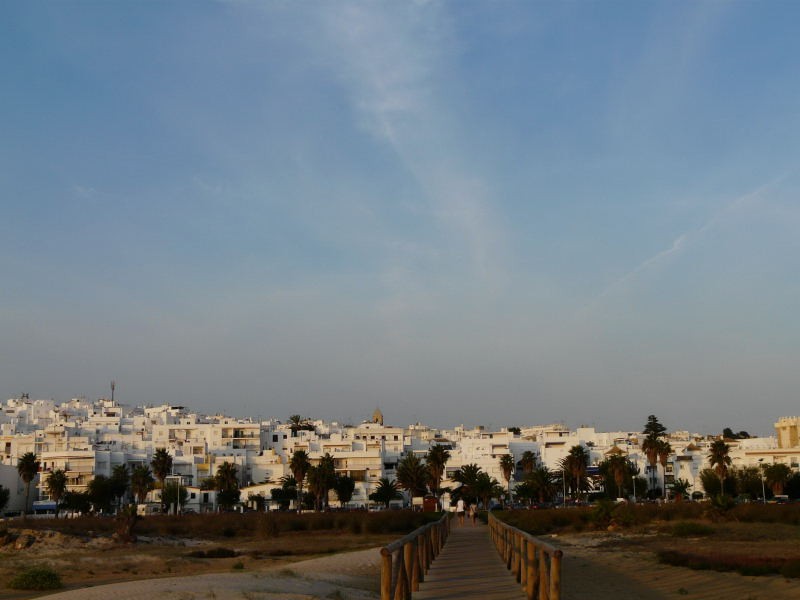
x=746 y=564
x=36 y=578
x=252 y=525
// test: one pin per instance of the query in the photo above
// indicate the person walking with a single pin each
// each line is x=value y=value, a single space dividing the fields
x=460 y=511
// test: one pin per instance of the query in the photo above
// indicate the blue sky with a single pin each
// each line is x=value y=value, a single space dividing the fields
x=462 y=212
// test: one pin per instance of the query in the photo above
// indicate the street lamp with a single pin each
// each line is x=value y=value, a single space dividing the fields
x=633 y=478
x=564 y=482
x=763 y=491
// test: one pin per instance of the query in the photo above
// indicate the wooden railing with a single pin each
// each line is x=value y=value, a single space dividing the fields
x=535 y=564
x=406 y=561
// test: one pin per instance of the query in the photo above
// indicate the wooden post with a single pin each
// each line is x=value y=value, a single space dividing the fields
x=386 y=574
x=523 y=563
x=543 y=590
x=533 y=573
x=555 y=575
x=408 y=550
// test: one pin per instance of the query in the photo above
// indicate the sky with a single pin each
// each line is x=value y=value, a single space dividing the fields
x=497 y=213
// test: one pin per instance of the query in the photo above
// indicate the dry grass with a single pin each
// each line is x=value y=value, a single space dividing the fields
x=84 y=553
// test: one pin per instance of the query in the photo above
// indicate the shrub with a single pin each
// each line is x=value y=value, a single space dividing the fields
x=239 y=565
x=214 y=553
x=691 y=529
x=36 y=578
x=791 y=569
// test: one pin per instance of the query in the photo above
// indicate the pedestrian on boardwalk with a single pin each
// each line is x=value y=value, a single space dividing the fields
x=473 y=514
x=460 y=511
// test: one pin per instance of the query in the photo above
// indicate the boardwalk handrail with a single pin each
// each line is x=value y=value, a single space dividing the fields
x=535 y=564
x=415 y=552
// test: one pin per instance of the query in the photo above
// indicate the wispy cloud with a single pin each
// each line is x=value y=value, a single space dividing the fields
x=392 y=62
x=687 y=238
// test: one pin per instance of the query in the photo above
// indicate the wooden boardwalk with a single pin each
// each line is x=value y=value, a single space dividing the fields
x=469 y=567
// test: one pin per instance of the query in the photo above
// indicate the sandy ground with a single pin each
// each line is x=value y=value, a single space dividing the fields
x=351 y=576
x=591 y=572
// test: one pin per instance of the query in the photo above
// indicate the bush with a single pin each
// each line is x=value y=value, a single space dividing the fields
x=36 y=578
x=214 y=553
x=791 y=569
x=691 y=529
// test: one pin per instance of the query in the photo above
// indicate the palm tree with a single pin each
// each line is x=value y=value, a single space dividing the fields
x=327 y=477
x=162 y=466
x=719 y=459
x=507 y=466
x=663 y=450
x=385 y=492
x=486 y=487
x=777 y=475
x=227 y=484
x=467 y=476
x=120 y=481
x=575 y=464
x=413 y=475
x=299 y=465
x=141 y=482
x=650 y=449
x=615 y=469
x=681 y=489
x=542 y=482
x=56 y=485
x=27 y=467
x=527 y=461
x=436 y=459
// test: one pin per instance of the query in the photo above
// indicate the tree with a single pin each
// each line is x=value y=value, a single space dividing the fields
x=174 y=493
x=748 y=482
x=259 y=500
x=543 y=482
x=575 y=464
x=507 y=467
x=326 y=472
x=514 y=430
x=162 y=466
x=467 y=476
x=227 y=485
x=486 y=487
x=436 y=459
x=653 y=432
x=663 y=449
x=653 y=428
x=299 y=465
x=776 y=476
x=77 y=502
x=720 y=460
x=101 y=493
x=385 y=492
x=27 y=468
x=615 y=471
x=413 y=475
x=681 y=489
x=141 y=482
x=527 y=461
x=120 y=481
x=286 y=493
x=298 y=423
x=344 y=487
x=5 y=495
x=56 y=486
